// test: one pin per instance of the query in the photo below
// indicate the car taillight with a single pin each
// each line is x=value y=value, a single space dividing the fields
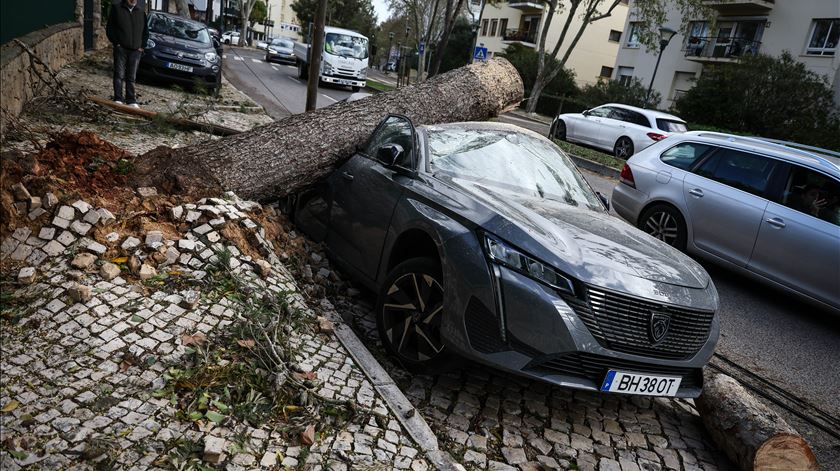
x=656 y=136
x=626 y=177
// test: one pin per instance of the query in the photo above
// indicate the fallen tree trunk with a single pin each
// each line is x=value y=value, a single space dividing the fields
x=751 y=434
x=281 y=157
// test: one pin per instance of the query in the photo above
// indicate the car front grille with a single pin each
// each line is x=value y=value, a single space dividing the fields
x=622 y=323
x=594 y=368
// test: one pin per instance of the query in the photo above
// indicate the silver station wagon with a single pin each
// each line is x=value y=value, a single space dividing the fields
x=768 y=209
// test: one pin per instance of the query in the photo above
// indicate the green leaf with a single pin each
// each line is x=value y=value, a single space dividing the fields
x=195 y=415
x=136 y=319
x=215 y=416
x=219 y=405
x=18 y=455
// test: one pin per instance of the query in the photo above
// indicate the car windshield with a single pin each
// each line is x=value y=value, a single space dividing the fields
x=670 y=125
x=510 y=161
x=286 y=43
x=178 y=28
x=346 y=46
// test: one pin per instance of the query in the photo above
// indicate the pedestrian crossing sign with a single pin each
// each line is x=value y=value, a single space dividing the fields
x=480 y=54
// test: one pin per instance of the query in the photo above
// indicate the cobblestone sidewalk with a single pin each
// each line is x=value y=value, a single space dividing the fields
x=93 y=339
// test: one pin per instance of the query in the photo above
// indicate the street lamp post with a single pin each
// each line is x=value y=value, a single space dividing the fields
x=390 y=48
x=474 y=28
x=407 y=69
x=665 y=36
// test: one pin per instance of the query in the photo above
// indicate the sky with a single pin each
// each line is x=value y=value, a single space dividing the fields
x=381 y=9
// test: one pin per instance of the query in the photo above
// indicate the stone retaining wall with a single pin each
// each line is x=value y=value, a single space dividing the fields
x=56 y=45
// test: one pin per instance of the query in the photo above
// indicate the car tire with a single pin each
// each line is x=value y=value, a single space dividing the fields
x=623 y=148
x=559 y=130
x=355 y=89
x=665 y=223
x=412 y=335
x=267 y=59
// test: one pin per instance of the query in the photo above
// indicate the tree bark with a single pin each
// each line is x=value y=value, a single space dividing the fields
x=183 y=8
x=279 y=158
x=751 y=434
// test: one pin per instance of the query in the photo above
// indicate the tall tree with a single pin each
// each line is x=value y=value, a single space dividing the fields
x=183 y=8
x=245 y=8
x=650 y=15
x=258 y=13
x=451 y=14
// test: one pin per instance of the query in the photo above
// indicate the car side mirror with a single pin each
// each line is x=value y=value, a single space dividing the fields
x=585 y=112
x=603 y=199
x=389 y=154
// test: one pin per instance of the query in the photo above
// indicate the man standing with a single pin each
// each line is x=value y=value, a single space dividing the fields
x=128 y=32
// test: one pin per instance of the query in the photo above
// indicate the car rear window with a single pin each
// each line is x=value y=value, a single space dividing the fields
x=685 y=155
x=670 y=125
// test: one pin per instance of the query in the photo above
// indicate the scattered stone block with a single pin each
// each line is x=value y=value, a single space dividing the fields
x=177 y=212
x=203 y=229
x=325 y=325
x=20 y=192
x=46 y=233
x=147 y=271
x=20 y=207
x=36 y=213
x=216 y=223
x=190 y=299
x=192 y=216
x=214 y=449
x=83 y=261
x=154 y=239
x=66 y=238
x=109 y=271
x=97 y=248
x=53 y=248
x=81 y=228
x=26 y=275
x=61 y=222
x=249 y=224
x=8 y=246
x=92 y=217
x=37 y=257
x=146 y=191
x=21 y=252
x=130 y=243
x=80 y=293
x=186 y=244
x=35 y=202
x=82 y=206
x=21 y=233
x=213 y=237
x=264 y=268
x=112 y=237
x=66 y=212
x=49 y=201
x=105 y=216
x=172 y=255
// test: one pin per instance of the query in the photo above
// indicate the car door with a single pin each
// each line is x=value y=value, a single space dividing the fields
x=614 y=126
x=725 y=200
x=798 y=244
x=588 y=127
x=365 y=191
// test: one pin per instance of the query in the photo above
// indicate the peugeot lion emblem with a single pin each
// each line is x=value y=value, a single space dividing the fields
x=180 y=55
x=659 y=323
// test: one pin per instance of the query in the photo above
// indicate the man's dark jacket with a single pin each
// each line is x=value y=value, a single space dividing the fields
x=127 y=28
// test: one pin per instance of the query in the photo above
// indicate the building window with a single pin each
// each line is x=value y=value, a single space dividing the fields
x=824 y=36
x=625 y=75
x=633 y=37
x=484 y=24
x=615 y=36
x=503 y=26
x=606 y=72
x=493 y=25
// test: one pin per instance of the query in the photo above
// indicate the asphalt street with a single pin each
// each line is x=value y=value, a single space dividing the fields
x=769 y=333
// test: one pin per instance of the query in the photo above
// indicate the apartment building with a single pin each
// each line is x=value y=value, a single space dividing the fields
x=520 y=21
x=808 y=29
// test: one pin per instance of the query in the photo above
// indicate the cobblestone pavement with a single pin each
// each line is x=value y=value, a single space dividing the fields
x=93 y=341
x=492 y=420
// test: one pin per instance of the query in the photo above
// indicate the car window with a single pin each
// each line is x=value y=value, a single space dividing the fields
x=179 y=28
x=395 y=130
x=670 y=125
x=637 y=118
x=601 y=112
x=813 y=193
x=742 y=170
x=685 y=155
x=283 y=43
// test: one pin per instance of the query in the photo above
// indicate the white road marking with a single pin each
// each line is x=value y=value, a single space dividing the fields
x=224 y=56
x=238 y=58
x=255 y=60
x=274 y=67
x=329 y=98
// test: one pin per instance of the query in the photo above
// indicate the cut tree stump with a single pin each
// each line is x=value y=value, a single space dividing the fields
x=753 y=436
x=279 y=158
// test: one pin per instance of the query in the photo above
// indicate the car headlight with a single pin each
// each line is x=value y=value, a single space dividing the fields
x=211 y=57
x=272 y=50
x=363 y=70
x=150 y=44
x=505 y=255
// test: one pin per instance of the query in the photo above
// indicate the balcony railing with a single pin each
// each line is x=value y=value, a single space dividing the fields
x=717 y=49
x=524 y=36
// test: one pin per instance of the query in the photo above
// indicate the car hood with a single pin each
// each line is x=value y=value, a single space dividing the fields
x=587 y=244
x=283 y=50
x=180 y=44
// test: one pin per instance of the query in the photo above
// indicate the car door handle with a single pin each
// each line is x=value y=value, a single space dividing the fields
x=696 y=192
x=776 y=222
x=348 y=176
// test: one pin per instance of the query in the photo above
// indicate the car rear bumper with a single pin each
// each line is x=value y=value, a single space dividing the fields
x=628 y=202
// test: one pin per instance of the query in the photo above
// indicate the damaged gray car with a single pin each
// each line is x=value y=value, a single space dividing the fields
x=483 y=240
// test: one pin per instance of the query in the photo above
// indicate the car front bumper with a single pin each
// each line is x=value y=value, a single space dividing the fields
x=516 y=324
x=152 y=66
x=350 y=82
x=280 y=57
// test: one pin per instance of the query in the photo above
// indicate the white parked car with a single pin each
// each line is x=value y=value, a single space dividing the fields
x=620 y=129
x=230 y=37
x=263 y=43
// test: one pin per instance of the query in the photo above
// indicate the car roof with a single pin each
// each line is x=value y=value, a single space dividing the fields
x=790 y=151
x=649 y=113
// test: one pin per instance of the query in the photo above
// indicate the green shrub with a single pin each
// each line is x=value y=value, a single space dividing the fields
x=773 y=97
x=612 y=91
x=525 y=60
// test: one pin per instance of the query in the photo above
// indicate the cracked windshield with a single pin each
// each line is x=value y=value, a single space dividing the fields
x=346 y=46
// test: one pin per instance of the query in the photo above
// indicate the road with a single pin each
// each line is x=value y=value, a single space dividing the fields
x=783 y=340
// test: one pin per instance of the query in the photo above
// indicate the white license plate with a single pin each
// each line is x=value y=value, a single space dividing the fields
x=641 y=384
x=181 y=67
x=345 y=82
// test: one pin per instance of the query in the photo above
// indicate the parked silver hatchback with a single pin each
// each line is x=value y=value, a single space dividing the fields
x=765 y=208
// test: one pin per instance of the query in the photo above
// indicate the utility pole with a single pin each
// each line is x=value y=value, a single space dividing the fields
x=316 y=50
x=410 y=54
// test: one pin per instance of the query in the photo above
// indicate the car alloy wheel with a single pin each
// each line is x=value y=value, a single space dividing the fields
x=410 y=311
x=666 y=224
x=623 y=148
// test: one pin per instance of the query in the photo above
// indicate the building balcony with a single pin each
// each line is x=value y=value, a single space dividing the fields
x=524 y=37
x=741 y=7
x=713 y=49
x=527 y=5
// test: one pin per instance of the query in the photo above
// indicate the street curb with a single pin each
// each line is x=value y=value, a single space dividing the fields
x=402 y=408
x=595 y=167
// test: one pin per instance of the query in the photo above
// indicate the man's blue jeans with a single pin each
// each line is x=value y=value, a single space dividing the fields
x=125 y=71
